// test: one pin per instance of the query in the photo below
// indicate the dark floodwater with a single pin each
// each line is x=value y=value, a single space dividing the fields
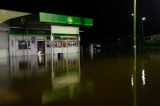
x=105 y=78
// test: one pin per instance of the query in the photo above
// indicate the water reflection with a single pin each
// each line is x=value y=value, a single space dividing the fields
x=65 y=78
x=28 y=81
x=143 y=77
x=148 y=78
x=132 y=84
x=108 y=79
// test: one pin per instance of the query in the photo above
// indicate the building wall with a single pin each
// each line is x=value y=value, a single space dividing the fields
x=14 y=49
x=66 y=50
x=4 y=41
x=21 y=35
x=64 y=29
x=4 y=60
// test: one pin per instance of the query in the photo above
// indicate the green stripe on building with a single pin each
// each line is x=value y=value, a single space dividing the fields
x=29 y=32
x=32 y=32
x=58 y=34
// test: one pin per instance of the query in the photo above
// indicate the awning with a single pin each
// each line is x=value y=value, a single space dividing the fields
x=7 y=14
x=45 y=20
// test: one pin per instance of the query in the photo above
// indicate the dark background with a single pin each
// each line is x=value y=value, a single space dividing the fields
x=112 y=18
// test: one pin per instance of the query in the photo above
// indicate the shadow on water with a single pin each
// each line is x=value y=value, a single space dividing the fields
x=101 y=78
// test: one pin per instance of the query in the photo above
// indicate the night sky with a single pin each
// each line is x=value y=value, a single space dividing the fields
x=111 y=17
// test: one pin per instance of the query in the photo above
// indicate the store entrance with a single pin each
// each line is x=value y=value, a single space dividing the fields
x=41 y=47
x=41 y=53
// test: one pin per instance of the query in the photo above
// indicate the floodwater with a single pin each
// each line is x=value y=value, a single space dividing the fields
x=104 y=78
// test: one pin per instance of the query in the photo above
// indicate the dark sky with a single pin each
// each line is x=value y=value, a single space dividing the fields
x=151 y=10
x=110 y=16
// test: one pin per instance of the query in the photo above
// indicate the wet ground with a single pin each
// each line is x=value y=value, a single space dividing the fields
x=104 y=78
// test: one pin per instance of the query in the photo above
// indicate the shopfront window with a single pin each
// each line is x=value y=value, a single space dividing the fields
x=65 y=42
x=24 y=44
x=58 y=41
x=72 y=42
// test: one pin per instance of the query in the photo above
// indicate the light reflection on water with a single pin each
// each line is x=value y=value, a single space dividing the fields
x=143 y=77
x=102 y=79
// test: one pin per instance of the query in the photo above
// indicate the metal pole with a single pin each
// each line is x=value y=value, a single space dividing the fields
x=142 y=29
x=134 y=27
x=134 y=66
x=52 y=54
x=142 y=34
x=52 y=48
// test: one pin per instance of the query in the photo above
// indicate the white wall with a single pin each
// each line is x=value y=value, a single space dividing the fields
x=64 y=29
x=4 y=41
x=66 y=50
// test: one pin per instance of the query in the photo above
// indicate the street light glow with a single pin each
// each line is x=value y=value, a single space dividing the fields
x=144 y=18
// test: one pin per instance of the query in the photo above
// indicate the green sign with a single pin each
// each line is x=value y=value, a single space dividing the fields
x=64 y=20
x=49 y=18
x=70 y=20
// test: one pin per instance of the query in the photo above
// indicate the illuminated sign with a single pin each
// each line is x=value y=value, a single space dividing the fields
x=69 y=20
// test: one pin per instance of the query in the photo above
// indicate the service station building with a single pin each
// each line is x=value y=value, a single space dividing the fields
x=27 y=34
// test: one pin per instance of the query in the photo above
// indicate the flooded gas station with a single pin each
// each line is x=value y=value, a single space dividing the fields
x=43 y=63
